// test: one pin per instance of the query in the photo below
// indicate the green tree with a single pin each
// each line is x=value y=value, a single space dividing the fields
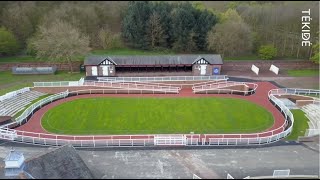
x=267 y=52
x=134 y=24
x=231 y=37
x=59 y=41
x=8 y=43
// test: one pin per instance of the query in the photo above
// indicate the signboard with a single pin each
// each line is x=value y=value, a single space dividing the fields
x=255 y=69
x=274 y=69
x=215 y=71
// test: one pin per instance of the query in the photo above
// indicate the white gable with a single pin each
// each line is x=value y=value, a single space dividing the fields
x=201 y=61
x=107 y=62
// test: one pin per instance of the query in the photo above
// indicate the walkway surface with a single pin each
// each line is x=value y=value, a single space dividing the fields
x=260 y=98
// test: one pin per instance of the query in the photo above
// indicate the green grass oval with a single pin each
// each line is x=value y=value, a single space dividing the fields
x=108 y=115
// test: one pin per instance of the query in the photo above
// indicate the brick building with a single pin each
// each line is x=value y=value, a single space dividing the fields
x=196 y=65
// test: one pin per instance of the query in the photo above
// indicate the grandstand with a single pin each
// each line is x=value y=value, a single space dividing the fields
x=13 y=105
x=313 y=114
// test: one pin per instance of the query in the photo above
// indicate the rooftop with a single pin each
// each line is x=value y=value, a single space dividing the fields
x=60 y=163
x=153 y=60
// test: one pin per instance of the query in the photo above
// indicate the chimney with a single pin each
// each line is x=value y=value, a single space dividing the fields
x=14 y=163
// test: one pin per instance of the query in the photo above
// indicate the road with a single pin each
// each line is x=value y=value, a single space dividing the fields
x=183 y=163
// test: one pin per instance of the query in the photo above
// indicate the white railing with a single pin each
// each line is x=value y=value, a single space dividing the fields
x=148 y=140
x=59 y=83
x=223 y=87
x=124 y=91
x=14 y=93
x=28 y=111
x=165 y=78
x=133 y=86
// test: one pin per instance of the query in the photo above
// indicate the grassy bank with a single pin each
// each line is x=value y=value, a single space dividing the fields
x=10 y=82
x=300 y=124
x=303 y=72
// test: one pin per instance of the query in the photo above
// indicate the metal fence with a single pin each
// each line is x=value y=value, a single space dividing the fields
x=135 y=86
x=59 y=83
x=147 y=140
x=165 y=78
x=221 y=87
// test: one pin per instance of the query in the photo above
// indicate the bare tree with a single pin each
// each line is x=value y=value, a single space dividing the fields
x=155 y=29
x=232 y=37
x=60 y=41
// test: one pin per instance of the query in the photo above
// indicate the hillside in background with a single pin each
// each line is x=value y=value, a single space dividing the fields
x=231 y=28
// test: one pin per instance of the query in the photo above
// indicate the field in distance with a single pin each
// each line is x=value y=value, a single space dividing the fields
x=108 y=115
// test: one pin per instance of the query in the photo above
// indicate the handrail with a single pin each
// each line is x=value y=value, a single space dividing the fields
x=128 y=85
x=166 y=78
x=222 y=86
x=14 y=93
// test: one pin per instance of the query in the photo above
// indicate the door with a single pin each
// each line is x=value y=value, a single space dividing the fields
x=105 y=70
x=203 y=69
x=94 y=71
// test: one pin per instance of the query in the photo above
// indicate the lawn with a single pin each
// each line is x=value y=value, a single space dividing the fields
x=128 y=51
x=242 y=58
x=303 y=72
x=108 y=115
x=300 y=124
x=10 y=82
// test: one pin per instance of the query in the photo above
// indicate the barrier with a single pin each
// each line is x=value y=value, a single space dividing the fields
x=312 y=132
x=14 y=93
x=165 y=78
x=223 y=87
x=59 y=83
x=43 y=139
x=255 y=69
x=274 y=69
x=134 y=86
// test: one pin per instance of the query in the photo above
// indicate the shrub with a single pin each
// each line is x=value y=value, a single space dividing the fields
x=8 y=43
x=315 y=58
x=267 y=52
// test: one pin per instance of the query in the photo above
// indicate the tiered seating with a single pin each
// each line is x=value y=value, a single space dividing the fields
x=313 y=114
x=15 y=104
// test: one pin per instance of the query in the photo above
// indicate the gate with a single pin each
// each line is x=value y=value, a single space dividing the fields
x=165 y=140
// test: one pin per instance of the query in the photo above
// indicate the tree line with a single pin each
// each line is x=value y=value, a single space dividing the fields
x=231 y=29
x=157 y=25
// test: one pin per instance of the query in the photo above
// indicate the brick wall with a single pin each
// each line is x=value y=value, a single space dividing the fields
x=60 y=66
x=209 y=69
x=264 y=65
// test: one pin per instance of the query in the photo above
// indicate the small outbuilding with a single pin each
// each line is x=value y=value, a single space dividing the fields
x=195 y=65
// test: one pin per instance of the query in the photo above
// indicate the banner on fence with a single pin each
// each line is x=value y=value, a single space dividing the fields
x=274 y=69
x=255 y=69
